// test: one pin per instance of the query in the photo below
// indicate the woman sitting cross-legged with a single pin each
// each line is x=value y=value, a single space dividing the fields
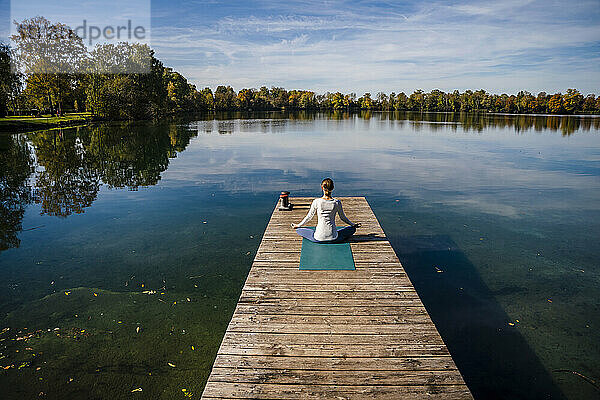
x=326 y=208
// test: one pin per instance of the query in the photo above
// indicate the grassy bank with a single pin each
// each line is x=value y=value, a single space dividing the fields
x=24 y=123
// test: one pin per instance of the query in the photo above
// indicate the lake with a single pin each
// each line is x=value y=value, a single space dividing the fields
x=126 y=246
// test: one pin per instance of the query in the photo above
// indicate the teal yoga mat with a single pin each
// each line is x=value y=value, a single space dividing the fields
x=326 y=256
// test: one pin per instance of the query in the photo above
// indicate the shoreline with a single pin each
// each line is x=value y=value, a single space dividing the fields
x=26 y=124
x=10 y=125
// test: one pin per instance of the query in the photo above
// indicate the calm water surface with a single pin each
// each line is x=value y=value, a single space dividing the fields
x=125 y=247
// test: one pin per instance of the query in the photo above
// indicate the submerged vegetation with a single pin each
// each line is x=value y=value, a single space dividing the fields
x=126 y=82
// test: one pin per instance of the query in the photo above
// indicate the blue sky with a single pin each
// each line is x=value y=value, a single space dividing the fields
x=359 y=46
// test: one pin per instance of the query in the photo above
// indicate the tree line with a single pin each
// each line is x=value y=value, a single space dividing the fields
x=126 y=81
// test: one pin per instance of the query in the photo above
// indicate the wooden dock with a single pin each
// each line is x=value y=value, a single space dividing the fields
x=360 y=334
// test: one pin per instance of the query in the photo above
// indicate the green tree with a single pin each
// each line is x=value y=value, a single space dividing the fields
x=366 y=103
x=119 y=95
x=246 y=98
x=416 y=101
x=572 y=101
x=279 y=97
x=6 y=79
x=49 y=54
x=307 y=100
x=209 y=99
x=555 y=104
x=589 y=104
x=541 y=102
x=383 y=101
x=179 y=92
x=400 y=103
x=337 y=101
x=225 y=98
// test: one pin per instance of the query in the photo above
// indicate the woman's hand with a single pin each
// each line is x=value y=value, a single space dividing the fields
x=295 y=226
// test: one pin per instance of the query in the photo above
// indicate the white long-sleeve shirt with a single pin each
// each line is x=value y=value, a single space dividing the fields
x=326 y=211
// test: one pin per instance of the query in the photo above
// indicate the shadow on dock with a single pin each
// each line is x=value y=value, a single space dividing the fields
x=371 y=237
x=494 y=358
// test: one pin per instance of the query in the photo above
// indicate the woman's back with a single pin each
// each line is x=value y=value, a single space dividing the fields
x=326 y=210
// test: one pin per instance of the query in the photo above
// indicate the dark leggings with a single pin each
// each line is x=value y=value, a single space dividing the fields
x=343 y=234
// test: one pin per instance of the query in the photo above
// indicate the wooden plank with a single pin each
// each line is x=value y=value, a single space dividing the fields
x=360 y=334
x=360 y=273
x=307 y=391
x=362 y=378
x=410 y=299
x=318 y=287
x=300 y=309
x=411 y=318
x=349 y=339
x=325 y=328
x=339 y=297
x=338 y=363
x=334 y=350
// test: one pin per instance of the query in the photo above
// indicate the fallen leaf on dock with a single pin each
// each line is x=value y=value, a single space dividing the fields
x=511 y=324
x=137 y=330
x=193 y=348
x=136 y=390
x=188 y=299
x=67 y=293
x=95 y=294
x=171 y=365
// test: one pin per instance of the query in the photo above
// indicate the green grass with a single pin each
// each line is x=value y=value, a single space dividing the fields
x=45 y=119
x=29 y=123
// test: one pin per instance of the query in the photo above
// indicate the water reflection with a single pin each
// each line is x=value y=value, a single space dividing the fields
x=16 y=165
x=75 y=163
x=566 y=124
x=68 y=181
x=72 y=165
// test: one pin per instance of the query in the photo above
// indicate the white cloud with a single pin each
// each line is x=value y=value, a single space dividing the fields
x=470 y=45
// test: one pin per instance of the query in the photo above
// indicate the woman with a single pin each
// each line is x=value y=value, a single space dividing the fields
x=326 y=208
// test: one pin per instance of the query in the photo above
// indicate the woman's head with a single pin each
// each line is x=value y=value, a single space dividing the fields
x=327 y=186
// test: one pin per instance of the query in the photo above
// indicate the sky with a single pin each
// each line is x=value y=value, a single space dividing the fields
x=359 y=46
